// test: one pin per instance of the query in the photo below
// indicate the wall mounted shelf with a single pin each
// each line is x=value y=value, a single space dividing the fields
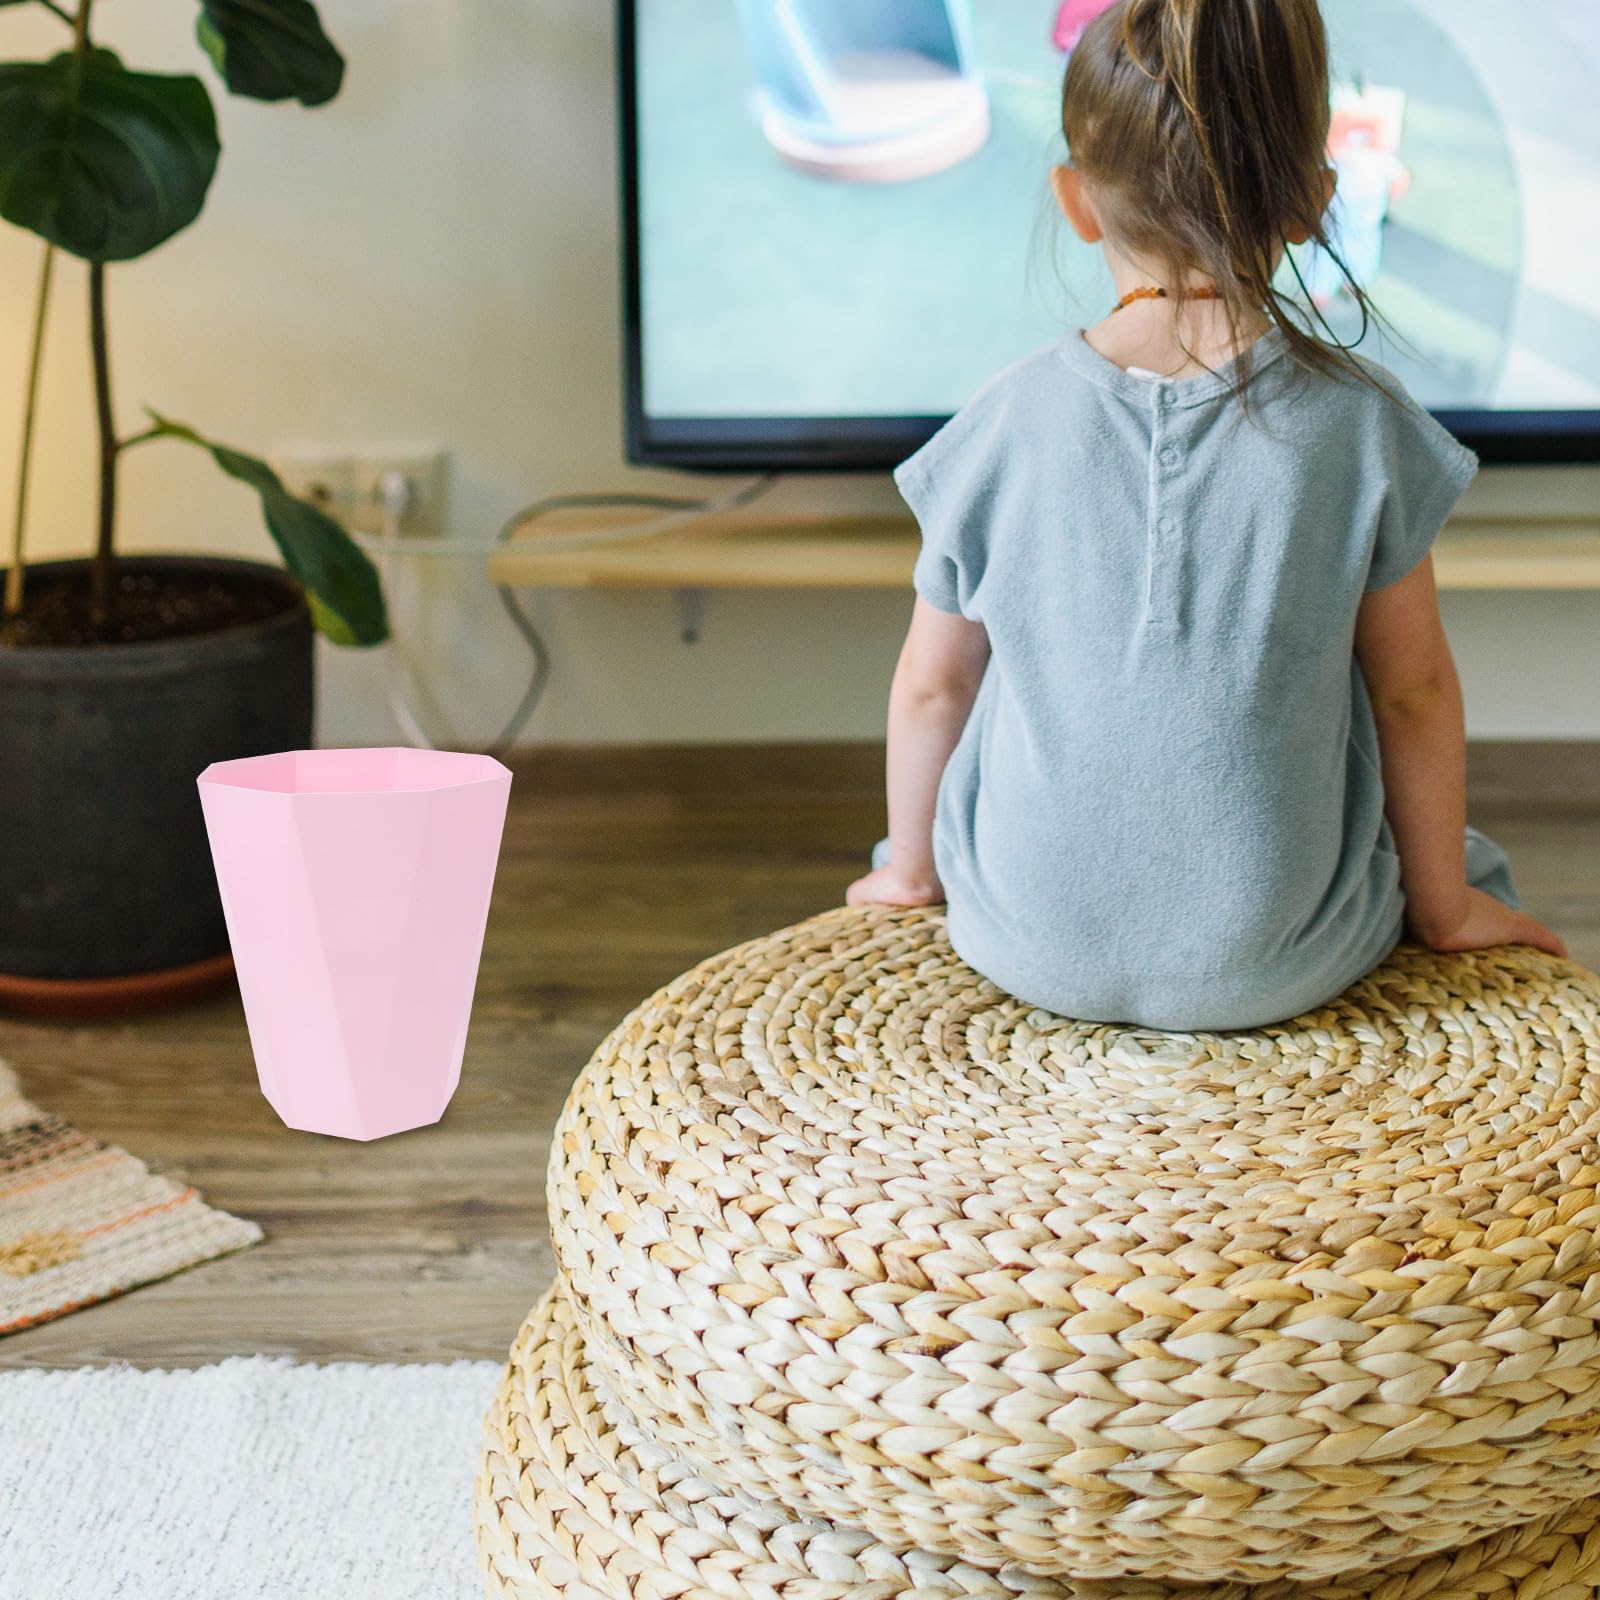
x=773 y=552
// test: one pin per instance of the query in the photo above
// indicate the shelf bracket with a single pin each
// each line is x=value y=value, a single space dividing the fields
x=691 y=608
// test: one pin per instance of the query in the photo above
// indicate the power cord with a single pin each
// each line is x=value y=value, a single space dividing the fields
x=395 y=494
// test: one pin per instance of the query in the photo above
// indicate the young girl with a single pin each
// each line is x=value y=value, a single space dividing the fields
x=1176 y=648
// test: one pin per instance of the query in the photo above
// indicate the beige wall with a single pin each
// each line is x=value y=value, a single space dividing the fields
x=432 y=257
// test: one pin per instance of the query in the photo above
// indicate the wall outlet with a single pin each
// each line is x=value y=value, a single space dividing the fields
x=347 y=480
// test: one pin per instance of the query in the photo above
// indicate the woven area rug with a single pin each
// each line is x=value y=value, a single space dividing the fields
x=252 y=1480
x=81 y=1221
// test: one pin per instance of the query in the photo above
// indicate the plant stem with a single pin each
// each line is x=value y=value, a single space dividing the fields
x=104 y=570
x=135 y=439
x=13 y=599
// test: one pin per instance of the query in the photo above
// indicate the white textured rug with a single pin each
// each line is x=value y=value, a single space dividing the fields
x=251 y=1480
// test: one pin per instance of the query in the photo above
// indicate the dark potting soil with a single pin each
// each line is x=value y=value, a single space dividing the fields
x=144 y=606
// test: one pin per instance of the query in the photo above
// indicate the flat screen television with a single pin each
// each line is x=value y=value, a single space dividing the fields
x=836 y=223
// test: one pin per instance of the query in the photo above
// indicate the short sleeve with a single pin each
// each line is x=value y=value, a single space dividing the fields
x=1426 y=471
x=937 y=576
x=951 y=485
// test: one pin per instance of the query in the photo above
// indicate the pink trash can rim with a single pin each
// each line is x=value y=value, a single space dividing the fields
x=366 y=771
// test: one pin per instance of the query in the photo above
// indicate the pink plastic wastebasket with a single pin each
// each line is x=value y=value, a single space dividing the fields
x=356 y=886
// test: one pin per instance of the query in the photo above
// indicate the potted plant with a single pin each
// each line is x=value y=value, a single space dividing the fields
x=122 y=677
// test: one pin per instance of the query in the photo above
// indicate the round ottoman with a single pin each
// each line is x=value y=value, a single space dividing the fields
x=571 y=1507
x=1001 y=1302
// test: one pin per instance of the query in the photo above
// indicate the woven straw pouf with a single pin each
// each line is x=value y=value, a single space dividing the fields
x=570 y=1507
x=848 y=1233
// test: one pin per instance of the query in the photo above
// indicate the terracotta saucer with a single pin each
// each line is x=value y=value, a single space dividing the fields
x=81 y=999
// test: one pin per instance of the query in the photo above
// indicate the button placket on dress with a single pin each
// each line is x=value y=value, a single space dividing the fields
x=1163 y=523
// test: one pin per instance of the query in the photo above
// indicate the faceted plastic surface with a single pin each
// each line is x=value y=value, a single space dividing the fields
x=356 y=887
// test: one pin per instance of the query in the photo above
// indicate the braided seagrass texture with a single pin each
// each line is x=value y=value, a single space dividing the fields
x=848 y=1228
x=569 y=1506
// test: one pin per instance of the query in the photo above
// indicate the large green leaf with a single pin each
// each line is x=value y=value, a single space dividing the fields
x=271 y=49
x=346 y=596
x=103 y=162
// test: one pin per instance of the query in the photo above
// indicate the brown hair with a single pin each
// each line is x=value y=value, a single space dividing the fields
x=1202 y=127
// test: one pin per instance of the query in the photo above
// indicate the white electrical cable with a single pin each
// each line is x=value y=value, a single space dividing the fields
x=395 y=494
x=683 y=513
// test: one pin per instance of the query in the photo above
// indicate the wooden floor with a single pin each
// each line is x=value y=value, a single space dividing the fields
x=619 y=869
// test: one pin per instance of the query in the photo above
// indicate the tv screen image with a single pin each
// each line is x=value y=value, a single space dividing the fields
x=838 y=223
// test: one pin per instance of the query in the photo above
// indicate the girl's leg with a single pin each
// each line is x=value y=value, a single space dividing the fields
x=880 y=854
x=1489 y=869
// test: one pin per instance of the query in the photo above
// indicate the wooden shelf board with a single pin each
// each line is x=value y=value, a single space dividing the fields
x=1538 y=556
x=878 y=553
x=846 y=553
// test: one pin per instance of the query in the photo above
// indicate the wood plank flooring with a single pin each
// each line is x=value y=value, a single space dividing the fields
x=620 y=868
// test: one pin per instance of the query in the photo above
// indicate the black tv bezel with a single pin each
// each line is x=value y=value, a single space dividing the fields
x=875 y=444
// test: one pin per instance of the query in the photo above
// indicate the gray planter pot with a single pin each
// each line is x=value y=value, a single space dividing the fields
x=105 y=871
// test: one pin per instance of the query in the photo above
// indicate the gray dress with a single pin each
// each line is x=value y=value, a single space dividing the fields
x=1166 y=807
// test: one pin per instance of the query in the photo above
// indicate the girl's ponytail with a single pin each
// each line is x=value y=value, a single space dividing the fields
x=1203 y=126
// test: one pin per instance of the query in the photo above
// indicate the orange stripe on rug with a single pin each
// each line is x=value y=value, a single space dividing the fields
x=107 y=1158
x=139 y=1216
